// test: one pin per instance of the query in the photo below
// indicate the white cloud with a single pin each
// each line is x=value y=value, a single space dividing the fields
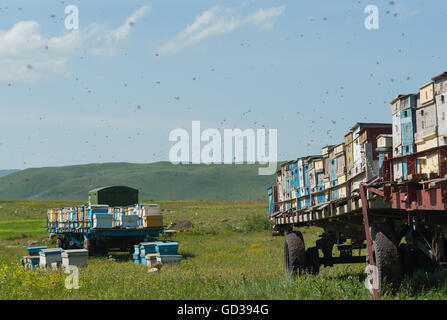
x=111 y=40
x=216 y=21
x=26 y=54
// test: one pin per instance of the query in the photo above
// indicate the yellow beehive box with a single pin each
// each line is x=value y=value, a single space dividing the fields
x=427 y=143
x=319 y=164
x=428 y=165
x=153 y=221
x=426 y=93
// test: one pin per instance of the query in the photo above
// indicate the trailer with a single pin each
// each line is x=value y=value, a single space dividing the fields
x=402 y=226
x=389 y=200
x=111 y=221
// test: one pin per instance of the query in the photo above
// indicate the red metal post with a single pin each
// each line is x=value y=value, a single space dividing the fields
x=368 y=238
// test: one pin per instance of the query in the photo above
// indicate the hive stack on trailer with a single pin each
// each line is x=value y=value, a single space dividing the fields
x=394 y=196
x=403 y=109
x=365 y=155
x=426 y=132
x=316 y=176
x=440 y=86
x=337 y=173
x=151 y=215
x=384 y=149
x=325 y=151
x=281 y=187
x=112 y=220
x=294 y=182
x=304 y=182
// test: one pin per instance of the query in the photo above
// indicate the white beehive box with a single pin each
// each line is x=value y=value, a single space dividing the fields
x=49 y=256
x=151 y=209
x=75 y=257
x=130 y=222
x=170 y=258
x=102 y=221
x=152 y=259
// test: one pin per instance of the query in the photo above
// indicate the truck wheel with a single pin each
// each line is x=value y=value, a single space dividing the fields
x=59 y=243
x=88 y=246
x=294 y=254
x=313 y=260
x=386 y=255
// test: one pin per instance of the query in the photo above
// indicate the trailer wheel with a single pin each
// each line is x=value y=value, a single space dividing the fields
x=294 y=254
x=386 y=255
x=313 y=260
x=59 y=243
x=88 y=246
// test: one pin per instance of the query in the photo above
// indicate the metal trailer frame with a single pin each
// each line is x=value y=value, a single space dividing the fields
x=414 y=209
x=92 y=239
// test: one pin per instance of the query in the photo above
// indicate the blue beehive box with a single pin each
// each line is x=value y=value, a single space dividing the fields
x=147 y=248
x=34 y=251
x=167 y=248
x=136 y=258
x=33 y=262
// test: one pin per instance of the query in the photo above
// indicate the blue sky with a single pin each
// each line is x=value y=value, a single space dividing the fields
x=112 y=91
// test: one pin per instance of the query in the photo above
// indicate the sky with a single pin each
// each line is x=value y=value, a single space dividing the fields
x=113 y=89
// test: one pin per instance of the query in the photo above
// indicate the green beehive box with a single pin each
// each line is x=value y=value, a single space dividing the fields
x=114 y=196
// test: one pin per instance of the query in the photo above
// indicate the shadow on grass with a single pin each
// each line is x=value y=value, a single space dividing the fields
x=424 y=280
x=123 y=256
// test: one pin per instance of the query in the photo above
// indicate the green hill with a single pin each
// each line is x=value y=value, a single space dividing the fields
x=156 y=181
x=6 y=172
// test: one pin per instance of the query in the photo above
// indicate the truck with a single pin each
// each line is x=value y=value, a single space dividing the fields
x=380 y=197
x=113 y=220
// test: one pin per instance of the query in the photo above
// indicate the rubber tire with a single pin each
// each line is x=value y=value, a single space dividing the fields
x=313 y=260
x=59 y=243
x=386 y=255
x=294 y=254
x=88 y=247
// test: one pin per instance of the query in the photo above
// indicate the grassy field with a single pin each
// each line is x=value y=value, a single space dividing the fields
x=228 y=254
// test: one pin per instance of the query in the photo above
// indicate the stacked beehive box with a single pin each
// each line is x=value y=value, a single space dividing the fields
x=52 y=219
x=50 y=258
x=403 y=109
x=337 y=171
x=167 y=252
x=349 y=153
x=384 y=148
x=440 y=87
x=148 y=253
x=426 y=136
x=304 y=182
x=365 y=154
x=102 y=221
x=294 y=182
x=33 y=258
x=281 y=181
x=325 y=151
x=316 y=178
